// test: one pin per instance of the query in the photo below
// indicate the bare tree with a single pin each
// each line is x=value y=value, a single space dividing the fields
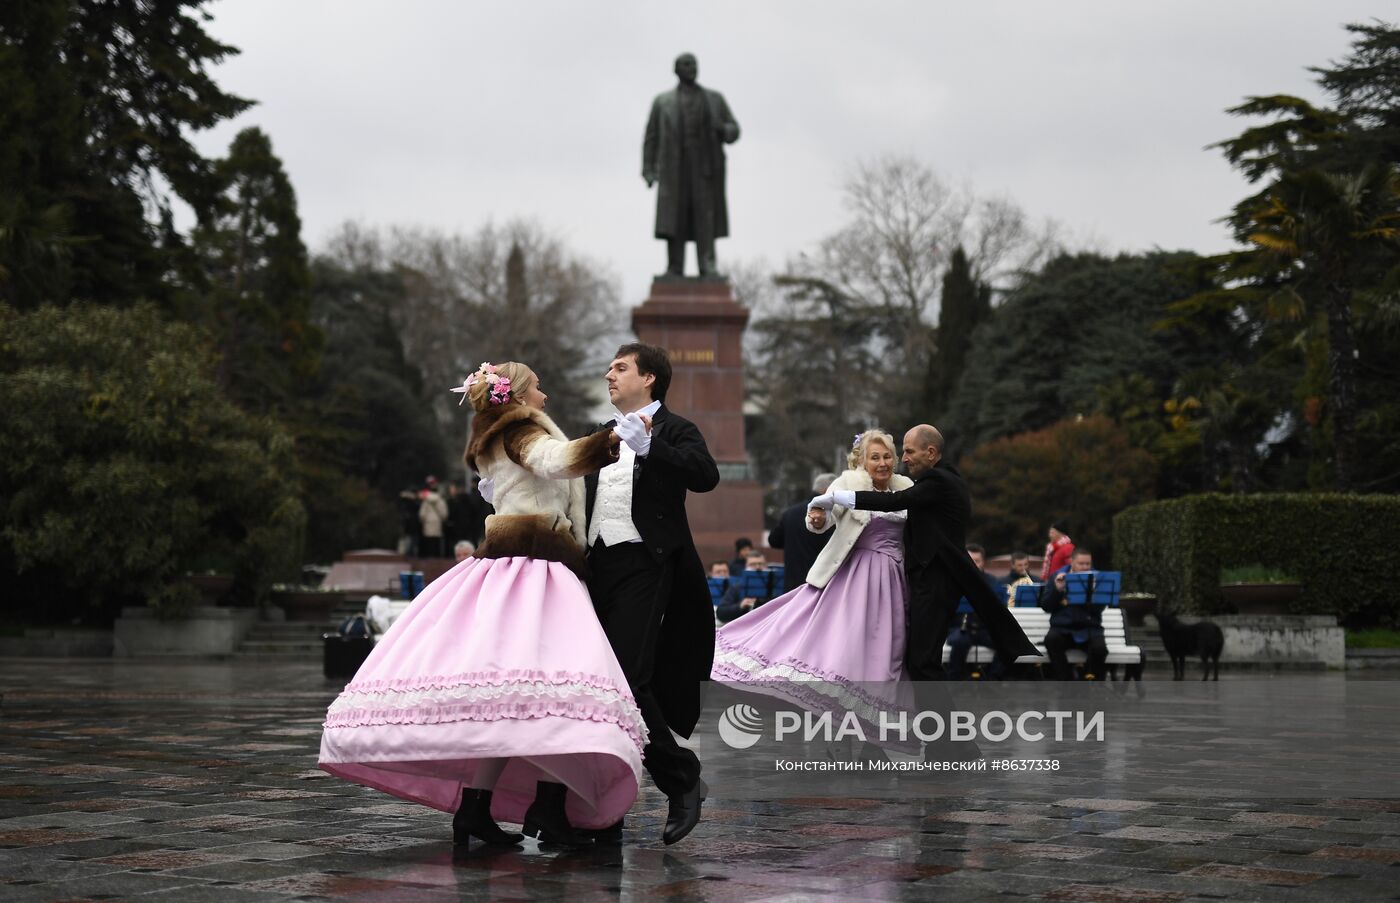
x=906 y=220
x=889 y=259
x=510 y=292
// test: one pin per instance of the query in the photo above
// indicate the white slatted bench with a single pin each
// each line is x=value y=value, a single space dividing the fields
x=1035 y=622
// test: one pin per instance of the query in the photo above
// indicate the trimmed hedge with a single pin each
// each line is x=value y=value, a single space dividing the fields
x=1344 y=548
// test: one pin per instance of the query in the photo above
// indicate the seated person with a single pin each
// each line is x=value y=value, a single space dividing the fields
x=733 y=604
x=967 y=631
x=1019 y=575
x=719 y=580
x=742 y=547
x=1073 y=626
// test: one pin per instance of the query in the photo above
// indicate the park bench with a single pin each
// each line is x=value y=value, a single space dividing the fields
x=1035 y=622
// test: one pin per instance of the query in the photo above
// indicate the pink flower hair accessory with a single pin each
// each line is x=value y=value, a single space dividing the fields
x=500 y=388
x=500 y=385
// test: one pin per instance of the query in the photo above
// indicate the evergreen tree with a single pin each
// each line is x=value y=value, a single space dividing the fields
x=376 y=431
x=130 y=467
x=99 y=97
x=964 y=304
x=1083 y=323
x=811 y=375
x=1366 y=88
x=1321 y=236
x=256 y=278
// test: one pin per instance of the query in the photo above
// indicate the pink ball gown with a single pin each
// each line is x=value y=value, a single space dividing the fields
x=499 y=657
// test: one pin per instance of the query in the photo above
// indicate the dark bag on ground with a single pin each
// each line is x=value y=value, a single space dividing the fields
x=347 y=649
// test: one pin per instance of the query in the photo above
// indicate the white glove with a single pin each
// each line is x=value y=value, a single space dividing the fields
x=631 y=430
x=824 y=502
x=846 y=498
x=487 y=488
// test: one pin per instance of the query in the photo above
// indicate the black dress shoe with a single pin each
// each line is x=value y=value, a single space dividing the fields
x=545 y=819
x=685 y=813
x=609 y=836
x=473 y=819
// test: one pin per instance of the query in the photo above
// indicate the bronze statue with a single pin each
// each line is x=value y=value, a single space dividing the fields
x=684 y=152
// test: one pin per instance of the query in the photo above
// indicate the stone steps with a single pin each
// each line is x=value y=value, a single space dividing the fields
x=293 y=640
x=287 y=630
x=298 y=648
x=285 y=640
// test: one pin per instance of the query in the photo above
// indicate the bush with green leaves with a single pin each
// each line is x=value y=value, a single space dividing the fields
x=122 y=465
x=1340 y=547
x=1083 y=471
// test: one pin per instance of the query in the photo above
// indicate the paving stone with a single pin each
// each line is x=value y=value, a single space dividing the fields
x=1255 y=875
x=1379 y=856
x=194 y=782
x=1091 y=893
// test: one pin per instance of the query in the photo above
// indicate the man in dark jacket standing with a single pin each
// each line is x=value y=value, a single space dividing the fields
x=935 y=561
x=800 y=546
x=647 y=583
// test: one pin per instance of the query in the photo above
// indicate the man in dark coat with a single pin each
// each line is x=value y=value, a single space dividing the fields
x=1073 y=626
x=800 y=546
x=684 y=151
x=935 y=560
x=646 y=580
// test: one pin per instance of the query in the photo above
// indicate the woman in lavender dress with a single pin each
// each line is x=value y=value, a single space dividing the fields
x=836 y=642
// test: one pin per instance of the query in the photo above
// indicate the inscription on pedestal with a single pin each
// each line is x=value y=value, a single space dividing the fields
x=691 y=355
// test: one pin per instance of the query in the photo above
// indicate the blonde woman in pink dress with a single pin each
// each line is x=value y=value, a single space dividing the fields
x=496 y=695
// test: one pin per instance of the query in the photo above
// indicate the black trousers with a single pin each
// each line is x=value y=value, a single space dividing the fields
x=630 y=593
x=1059 y=640
x=931 y=609
x=960 y=643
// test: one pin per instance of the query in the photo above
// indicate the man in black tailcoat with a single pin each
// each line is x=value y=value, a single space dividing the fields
x=646 y=579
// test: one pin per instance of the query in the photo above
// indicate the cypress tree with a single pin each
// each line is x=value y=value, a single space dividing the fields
x=98 y=99
x=258 y=291
x=964 y=304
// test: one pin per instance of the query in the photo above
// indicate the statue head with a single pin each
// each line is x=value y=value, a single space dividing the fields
x=687 y=68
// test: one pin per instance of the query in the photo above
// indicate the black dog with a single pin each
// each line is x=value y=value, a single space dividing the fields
x=1202 y=638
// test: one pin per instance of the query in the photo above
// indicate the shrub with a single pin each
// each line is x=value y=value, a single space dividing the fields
x=1082 y=470
x=1339 y=546
x=122 y=464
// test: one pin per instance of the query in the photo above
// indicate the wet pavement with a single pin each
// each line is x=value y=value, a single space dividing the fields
x=197 y=781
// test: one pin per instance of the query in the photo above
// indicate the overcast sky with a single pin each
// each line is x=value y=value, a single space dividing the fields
x=450 y=114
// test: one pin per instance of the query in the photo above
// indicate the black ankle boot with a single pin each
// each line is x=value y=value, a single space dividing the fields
x=473 y=819
x=545 y=819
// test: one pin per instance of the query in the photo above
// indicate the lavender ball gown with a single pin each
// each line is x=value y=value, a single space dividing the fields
x=840 y=647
